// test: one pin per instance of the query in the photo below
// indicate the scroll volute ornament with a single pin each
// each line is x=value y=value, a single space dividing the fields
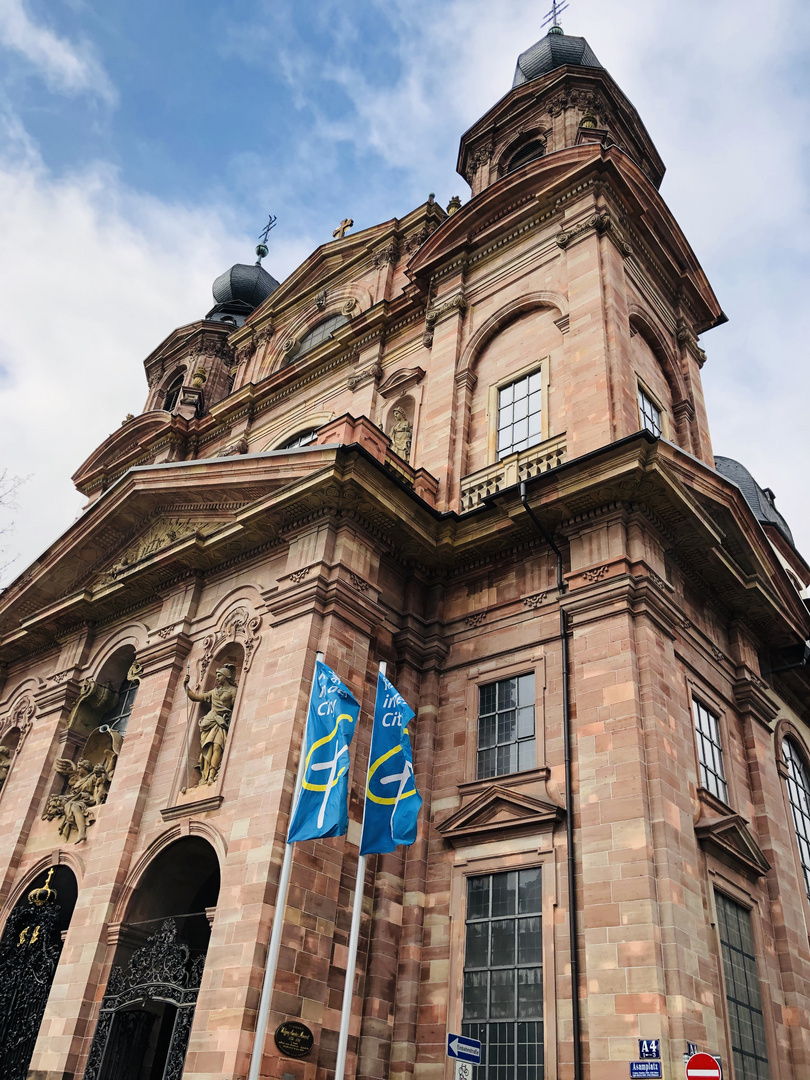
x=238 y=625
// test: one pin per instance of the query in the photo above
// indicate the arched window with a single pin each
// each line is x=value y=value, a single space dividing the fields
x=531 y=152
x=172 y=394
x=303 y=438
x=798 y=785
x=118 y=716
x=320 y=333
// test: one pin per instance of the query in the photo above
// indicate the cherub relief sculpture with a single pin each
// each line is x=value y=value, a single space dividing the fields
x=215 y=723
x=401 y=434
x=88 y=786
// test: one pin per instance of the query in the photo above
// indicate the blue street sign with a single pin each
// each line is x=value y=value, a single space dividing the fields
x=459 y=1046
x=645 y=1070
x=649 y=1048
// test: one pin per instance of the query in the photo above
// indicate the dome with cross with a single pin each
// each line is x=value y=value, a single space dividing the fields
x=555 y=50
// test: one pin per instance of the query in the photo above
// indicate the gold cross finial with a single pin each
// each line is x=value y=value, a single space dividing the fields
x=340 y=231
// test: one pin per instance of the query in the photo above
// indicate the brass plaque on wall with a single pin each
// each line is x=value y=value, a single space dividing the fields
x=294 y=1039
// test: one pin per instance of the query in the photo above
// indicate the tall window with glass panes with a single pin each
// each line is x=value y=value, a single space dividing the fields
x=503 y=974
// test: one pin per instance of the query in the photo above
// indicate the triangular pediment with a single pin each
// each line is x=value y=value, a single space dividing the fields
x=730 y=840
x=497 y=812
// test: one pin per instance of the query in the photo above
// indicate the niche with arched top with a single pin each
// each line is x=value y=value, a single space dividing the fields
x=9 y=745
x=93 y=740
x=209 y=729
x=29 y=953
x=399 y=426
x=145 y=1018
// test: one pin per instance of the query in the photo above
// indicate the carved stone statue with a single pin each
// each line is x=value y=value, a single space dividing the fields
x=401 y=434
x=88 y=786
x=5 y=764
x=215 y=723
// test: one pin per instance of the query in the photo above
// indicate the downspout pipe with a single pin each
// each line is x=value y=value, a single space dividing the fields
x=569 y=803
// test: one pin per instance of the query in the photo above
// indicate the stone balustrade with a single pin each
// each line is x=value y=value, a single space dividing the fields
x=504 y=474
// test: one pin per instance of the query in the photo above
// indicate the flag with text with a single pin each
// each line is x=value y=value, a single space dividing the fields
x=392 y=801
x=322 y=807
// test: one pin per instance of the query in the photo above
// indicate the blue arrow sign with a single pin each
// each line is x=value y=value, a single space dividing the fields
x=463 y=1048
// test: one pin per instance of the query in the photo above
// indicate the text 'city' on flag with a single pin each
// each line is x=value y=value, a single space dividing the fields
x=392 y=802
x=322 y=806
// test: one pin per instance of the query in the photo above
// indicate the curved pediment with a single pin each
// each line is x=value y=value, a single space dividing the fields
x=124 y=448
x=533 y=191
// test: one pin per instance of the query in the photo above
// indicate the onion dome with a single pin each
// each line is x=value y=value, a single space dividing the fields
x=761 y=500
x=239 y=291
x=555 y=50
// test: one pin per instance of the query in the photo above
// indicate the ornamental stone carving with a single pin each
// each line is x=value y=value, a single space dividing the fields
x=237 y=624
x=88 y=786
x=386 y=256
x=401 y=434
x=215 y=723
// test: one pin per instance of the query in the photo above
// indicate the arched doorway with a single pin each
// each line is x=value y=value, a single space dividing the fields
x=147 y=1011
x=29 y=953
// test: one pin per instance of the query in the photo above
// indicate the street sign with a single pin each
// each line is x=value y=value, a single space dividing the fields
x=691 y=1048
x=645 y=1070
x=459 y=1046
x=463 y=1070
x=649 y=1048
x=703 y=1067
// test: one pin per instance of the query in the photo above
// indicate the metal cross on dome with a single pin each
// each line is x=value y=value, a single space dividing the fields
x=271 y=221
x=553 y=16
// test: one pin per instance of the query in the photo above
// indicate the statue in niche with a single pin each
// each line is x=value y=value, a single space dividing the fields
x=5 y=764
x=88 y=785
x=215 y=723
x=401 y=434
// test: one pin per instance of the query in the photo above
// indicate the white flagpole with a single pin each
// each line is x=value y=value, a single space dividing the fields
x=354 y=933
x=278 y=919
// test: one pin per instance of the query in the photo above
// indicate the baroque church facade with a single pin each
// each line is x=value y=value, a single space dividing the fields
x=471 y=444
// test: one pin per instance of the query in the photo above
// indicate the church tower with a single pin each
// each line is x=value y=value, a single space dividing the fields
x=473 y=445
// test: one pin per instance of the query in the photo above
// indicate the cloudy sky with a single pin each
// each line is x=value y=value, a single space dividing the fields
x=142 y=146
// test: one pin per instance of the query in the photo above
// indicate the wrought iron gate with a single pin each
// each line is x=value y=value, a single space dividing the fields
x=161 y=971
x=29 y=954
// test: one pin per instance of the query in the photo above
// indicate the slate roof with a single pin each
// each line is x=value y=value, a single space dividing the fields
x=761 y=500
x=553 y=51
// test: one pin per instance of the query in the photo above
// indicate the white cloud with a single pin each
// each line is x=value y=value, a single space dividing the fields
x=93 y=276
x=67 y=67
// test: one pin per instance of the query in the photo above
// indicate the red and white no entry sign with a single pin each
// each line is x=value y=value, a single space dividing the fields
x=703 y=1067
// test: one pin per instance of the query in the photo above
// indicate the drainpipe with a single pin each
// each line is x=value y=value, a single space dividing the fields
x=569 y=801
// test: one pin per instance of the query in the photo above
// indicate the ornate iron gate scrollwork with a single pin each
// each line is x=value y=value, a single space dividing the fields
x=29 y=954
x=161 y=970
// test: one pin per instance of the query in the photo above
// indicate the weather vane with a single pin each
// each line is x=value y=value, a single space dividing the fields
x=553 y=16
x=261 y=247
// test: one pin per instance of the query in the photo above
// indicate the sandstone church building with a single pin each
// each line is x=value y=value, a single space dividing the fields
x=472 y=444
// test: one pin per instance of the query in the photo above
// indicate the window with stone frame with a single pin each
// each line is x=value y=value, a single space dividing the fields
x=749 y=1047
x=710 y=751
x=117 y=718
x=172 y=394
x=503 y=974
x=520 y=414
x=798 y=786
x=649 y=412
x=303 y=438
x=506 y=734
x=320 y=333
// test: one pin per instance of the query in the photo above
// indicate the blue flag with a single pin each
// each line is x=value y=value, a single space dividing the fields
x=322 y=808
x=392 y=801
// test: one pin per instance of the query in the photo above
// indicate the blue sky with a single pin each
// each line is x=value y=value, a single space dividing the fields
x=143 y=145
